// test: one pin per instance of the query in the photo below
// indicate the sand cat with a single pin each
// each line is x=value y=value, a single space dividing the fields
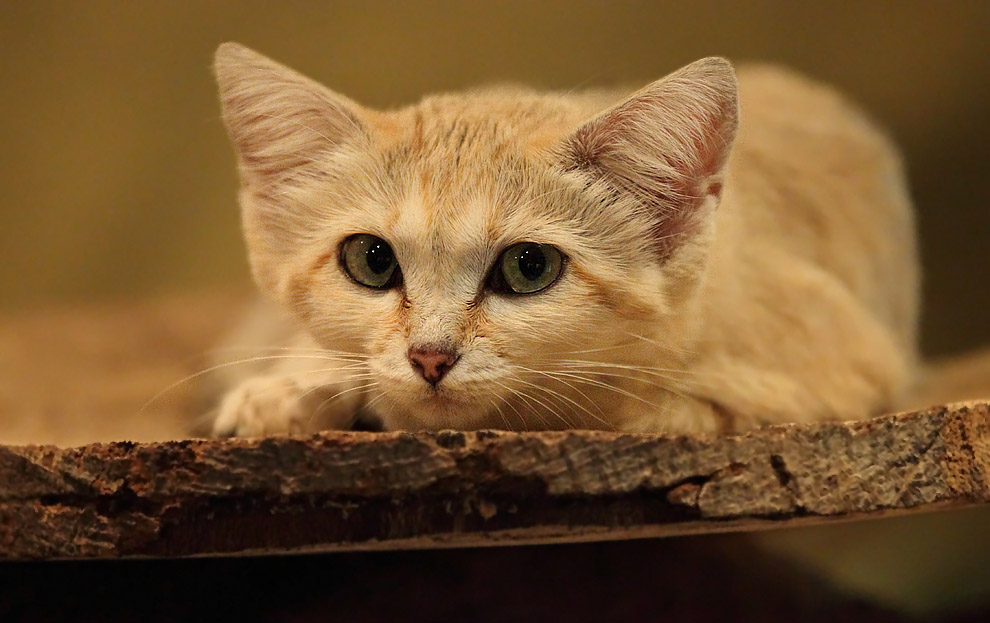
x=712 y=252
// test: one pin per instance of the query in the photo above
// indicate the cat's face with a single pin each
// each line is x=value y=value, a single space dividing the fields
x=445 y=241
x=497 y=259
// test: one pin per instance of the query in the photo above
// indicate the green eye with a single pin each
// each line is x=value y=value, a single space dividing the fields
x=370 y=261
x=527 y=267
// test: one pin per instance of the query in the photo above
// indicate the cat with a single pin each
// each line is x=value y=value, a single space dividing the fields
x=716 y=251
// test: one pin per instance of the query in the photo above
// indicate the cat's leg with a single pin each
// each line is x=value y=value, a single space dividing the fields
x=287 y=402
x=674 y=414
x=293 y=387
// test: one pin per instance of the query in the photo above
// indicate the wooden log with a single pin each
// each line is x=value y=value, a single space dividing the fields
x=344 y=491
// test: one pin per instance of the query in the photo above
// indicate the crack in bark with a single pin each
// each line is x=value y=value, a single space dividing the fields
x=788 y=481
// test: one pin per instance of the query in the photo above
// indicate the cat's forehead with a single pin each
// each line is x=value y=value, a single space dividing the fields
x=455 y=160
x=482 y=124
x=463 y=208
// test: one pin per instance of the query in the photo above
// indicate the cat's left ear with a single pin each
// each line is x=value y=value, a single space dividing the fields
x=278 y=119
x=664 y=148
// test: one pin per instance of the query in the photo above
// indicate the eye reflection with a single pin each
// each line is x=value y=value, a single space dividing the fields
x=370 y=261
x=527 y=268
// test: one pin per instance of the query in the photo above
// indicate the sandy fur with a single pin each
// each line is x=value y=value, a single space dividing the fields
x=737 y=255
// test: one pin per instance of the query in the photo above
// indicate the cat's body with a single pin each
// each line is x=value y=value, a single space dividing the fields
x=699 y=286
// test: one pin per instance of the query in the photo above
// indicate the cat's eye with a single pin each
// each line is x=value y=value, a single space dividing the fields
x=526 y=268
x=369 y=260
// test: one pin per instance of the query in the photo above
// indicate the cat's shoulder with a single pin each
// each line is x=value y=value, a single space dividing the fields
x=779 y=104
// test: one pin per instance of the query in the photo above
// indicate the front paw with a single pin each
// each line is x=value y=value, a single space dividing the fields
x=263 y=405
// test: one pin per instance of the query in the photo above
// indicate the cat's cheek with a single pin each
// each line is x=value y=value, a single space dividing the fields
x=526 y=327
x=342 y=314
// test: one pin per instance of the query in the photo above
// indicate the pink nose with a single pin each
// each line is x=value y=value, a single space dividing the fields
x=432 y=364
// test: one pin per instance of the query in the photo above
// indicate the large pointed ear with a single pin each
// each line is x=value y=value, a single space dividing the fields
x=278 y=120
x=282 y=124
x=664 y=148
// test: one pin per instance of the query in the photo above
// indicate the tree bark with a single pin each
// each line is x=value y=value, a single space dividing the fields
x=352 y=491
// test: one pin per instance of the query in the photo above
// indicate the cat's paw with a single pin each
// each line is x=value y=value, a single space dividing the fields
x=263 y=405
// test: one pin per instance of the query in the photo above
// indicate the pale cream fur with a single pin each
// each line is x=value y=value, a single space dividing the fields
x=729 y=265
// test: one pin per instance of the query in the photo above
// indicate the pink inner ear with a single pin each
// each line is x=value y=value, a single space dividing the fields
x=665 y=148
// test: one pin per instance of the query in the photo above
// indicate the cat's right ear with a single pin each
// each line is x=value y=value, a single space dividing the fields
x=278 y=119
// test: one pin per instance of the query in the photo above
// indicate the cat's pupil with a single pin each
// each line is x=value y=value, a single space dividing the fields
x=532 y=262
x=379 y=257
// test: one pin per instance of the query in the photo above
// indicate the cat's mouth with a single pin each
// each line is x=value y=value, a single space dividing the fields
x=428 y=409
x=438 y=400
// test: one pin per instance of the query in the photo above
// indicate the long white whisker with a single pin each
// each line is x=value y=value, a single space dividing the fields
x=653 y=371
x=498 y=410
x=563 y=397
x=337 y=395
x=220 y=366
x=525 y=398
x=619 y=390
x=682 y=351
x=291 y=349
x=350 y=378
x=552 y=411
x=522 y=420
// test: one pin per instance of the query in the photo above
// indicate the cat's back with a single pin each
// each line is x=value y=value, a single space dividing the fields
x=805 y=152
x=813 y=179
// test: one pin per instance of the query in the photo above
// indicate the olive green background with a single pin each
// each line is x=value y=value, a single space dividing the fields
x=116 y=178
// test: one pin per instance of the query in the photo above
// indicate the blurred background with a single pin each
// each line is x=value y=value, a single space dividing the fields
x=116 y=178
x=117 y=182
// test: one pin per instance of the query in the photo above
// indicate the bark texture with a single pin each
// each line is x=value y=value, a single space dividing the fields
x=340 y=491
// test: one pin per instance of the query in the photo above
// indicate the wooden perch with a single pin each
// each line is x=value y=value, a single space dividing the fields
x=74 y=376
x=340 y=491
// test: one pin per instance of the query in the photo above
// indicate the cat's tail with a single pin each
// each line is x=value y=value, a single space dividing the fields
x=955 y=379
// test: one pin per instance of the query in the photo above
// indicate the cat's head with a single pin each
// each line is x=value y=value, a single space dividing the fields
x=498 y=258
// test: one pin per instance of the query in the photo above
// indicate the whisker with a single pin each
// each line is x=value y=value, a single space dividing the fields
x=220 y=366
x=563 y=397
x=522 y=420
x=374 y=399
x=323 y=404
x=524 y=397
x=652 y=371
x=350 y=378
x=661 y=386
x=618 y=390
x=500 y=414
x=682 y=351
x=594 y=350
x=305 y=350
x=552 y=411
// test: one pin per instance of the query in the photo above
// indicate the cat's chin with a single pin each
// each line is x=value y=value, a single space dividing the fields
x=437 y=412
